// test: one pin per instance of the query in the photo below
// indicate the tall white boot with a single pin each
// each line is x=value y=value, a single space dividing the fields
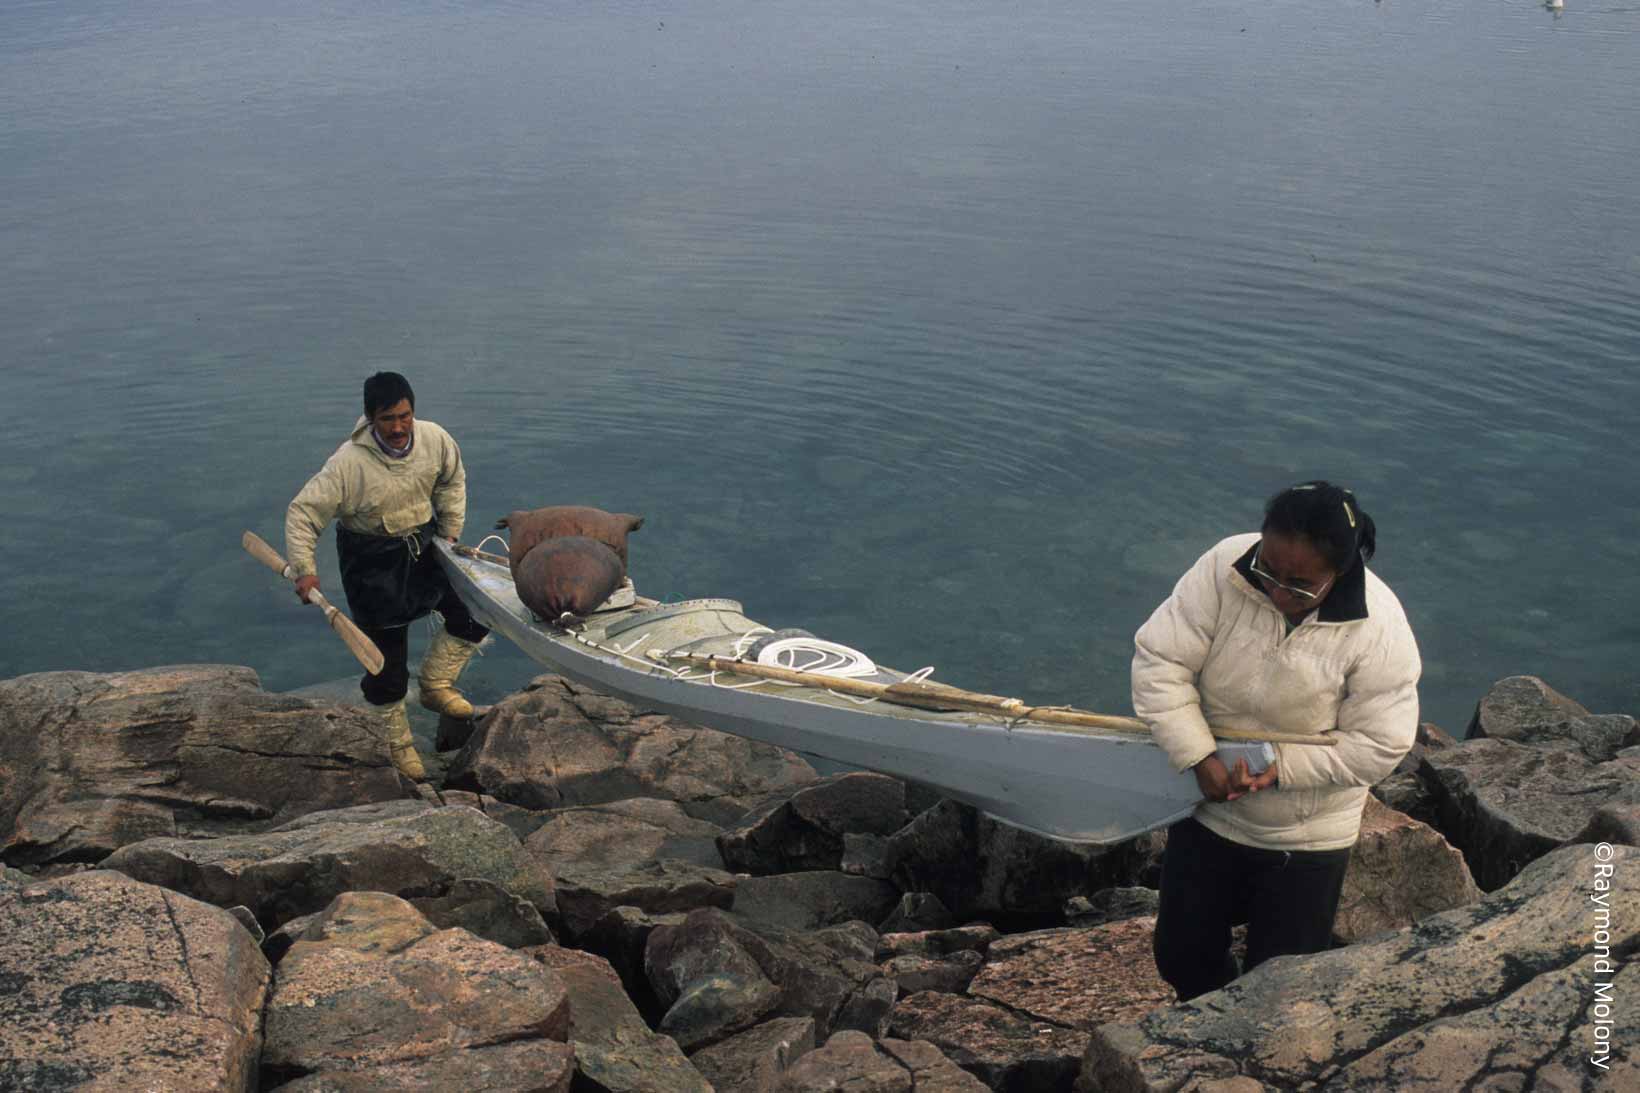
x=396 y=724
x=440 y=668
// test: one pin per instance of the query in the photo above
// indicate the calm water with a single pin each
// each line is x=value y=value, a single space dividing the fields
x=952 y=330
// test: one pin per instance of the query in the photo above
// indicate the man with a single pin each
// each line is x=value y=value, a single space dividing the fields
x=393 y=485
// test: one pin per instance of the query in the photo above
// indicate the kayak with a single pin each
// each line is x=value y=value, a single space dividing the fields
x=706 y=662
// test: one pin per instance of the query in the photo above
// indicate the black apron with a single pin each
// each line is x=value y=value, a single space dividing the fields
x=390 y=580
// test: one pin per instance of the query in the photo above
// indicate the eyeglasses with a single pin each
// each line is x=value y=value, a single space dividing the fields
x=1264 y=575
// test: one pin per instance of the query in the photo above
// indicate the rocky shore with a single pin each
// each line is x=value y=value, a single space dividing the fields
x=207 y=886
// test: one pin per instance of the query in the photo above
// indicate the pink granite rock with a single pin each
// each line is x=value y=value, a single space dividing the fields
x=108 y=983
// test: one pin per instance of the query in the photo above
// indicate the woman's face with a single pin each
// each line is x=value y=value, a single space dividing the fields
x=1287 y=566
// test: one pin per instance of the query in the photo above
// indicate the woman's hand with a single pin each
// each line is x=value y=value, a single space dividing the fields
x=1214 y=781
x=1243 y=780
x=1220 y=784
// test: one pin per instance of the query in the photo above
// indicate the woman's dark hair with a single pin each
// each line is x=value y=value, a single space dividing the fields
x=385 y=389
x=1326 y=515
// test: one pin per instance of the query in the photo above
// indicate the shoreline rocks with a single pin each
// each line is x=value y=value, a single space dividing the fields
x=731 y=920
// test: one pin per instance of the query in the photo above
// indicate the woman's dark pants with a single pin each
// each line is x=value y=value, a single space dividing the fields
x=1209 y=884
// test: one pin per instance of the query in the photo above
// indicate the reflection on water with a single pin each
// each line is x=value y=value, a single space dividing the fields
x=955 y=333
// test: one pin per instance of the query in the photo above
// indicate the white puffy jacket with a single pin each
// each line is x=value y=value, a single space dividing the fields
x=366 y=491
x=1217 y=652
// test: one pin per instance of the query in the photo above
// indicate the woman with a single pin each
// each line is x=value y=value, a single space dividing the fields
x=1285 y=630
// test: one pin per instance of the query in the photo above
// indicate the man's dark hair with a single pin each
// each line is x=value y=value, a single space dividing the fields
x=1326 y=515
x=385 y=389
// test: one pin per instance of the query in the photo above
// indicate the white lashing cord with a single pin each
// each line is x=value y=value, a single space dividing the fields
x=826 y=658
x=506 y=547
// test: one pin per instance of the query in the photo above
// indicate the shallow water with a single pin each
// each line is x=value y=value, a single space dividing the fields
x=952 y=331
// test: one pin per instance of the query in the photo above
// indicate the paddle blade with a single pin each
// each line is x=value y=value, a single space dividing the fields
x=358 y=643
x=262 y=552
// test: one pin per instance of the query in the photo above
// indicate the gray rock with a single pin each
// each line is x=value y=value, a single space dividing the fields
x=976 y=936
x=710 y=985
x=752 y=1061
x=826 y=974
x=800 y=901
x=867 y=1009
x=620 y=937
x=867 y=856
x=369 y=986
x=108 y=983
x=1616 y=821
x=484 y=908
x=805 y=829
x=1505 y=804
x=642 y=853
x=1112 y=905
x=529 y=1066
x=950 y=974
x=1497 y=994
x=1518 y=706
x=301 y=867
x=1407 y=794
x=981 y=868
x=557 y=745
x=1400 y=871
x=91 y=762
x=1008 y=1052
x=248 y=920
x=917 y=911
x=1528 y=711
x=615 y=1052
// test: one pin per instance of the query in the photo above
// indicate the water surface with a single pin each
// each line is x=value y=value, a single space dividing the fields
x=952 y=331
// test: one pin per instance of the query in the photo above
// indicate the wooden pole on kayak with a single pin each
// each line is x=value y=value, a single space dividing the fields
x=358 y=642
x=939 y=696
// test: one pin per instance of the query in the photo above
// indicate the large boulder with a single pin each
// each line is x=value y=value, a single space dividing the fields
x=752 y=1061
x=1529 y=711
x=699 y=969
x=1075 y=977
x=90 y=762
x=710 y=985
x=982 y=868
x=1400 y=871
x=1505 y=804
x=556 y=745
x=805 y=829
x=800 y=901
x=1009 y=1052
x=370 y=986
x=109 y=983
x=409 y=847
x=853 y=1061
x=1517 y=991
x=615 y=1051
x=642 y=853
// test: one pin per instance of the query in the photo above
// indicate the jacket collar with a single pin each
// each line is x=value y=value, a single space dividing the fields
x=1347 y=602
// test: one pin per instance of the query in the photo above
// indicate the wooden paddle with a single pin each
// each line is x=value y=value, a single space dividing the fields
x=939 y=696
x=357 y=641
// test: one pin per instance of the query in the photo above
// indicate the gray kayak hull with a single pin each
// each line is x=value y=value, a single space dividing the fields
x=1073 y=786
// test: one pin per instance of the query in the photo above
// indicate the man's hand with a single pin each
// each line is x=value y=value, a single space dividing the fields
x=304 y=585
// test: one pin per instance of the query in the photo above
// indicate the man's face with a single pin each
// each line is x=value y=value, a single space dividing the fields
x=395 y=423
